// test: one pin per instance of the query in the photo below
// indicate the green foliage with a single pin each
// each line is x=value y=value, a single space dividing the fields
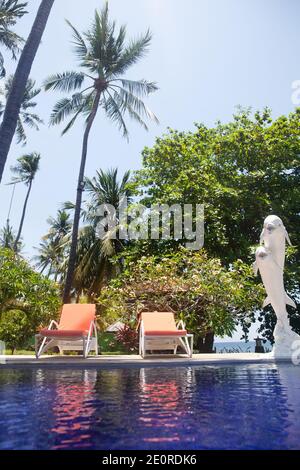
x=26 y=168
x=8 y=238
x=26 y=117
x=241 y=171
x=103 y=57
x=23 y=289
x=15 y=329
x=207 y=296
x=10 y=12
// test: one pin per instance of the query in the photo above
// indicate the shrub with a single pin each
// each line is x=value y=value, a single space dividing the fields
x=128 y=338
x=15 y=329
x=28 y=300
x=206 y=295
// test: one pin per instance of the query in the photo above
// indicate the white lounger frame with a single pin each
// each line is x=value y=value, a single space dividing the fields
x=161 y=343
x=79 y=343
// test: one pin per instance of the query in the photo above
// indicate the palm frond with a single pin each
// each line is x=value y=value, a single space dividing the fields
x=140 y=88
x=26 y=168
x=135 y=51
x=80 y=46
x=66 y=81
x=65 y=107
x=20 y=133
x=128 y=101
x=114 y=112
x=2 y=68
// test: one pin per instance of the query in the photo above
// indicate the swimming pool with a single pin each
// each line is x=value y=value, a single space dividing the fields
x=211 y=407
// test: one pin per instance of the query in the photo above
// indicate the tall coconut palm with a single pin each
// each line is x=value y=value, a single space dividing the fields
x=10 y=12
x=104 y=59
x=26 y=117
x=8 y=237
x=94 y=266
x=52 y=248
x=94 y=254
x=60 y=226
x=25 y=172
x=14 y=100
x=49 y=258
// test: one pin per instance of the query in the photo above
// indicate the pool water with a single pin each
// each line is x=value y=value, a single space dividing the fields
x=212 y=407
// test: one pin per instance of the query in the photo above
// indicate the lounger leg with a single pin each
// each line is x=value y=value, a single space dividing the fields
x=192 y=345
x=36 y=345
x=44 y=346
x=83 y=348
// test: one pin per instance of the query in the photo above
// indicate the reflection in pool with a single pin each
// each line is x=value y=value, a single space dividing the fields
x=211 y=407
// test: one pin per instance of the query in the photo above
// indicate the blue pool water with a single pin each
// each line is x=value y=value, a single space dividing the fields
x=212 y=407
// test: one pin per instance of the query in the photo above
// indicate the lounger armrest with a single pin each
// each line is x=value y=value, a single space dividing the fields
x=53 y=323
x=180 y=325
x=93 y=328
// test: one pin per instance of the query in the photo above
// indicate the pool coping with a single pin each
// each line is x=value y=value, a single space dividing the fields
x=107 y=361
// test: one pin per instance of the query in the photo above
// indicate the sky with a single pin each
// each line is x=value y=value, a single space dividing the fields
x=207 y=56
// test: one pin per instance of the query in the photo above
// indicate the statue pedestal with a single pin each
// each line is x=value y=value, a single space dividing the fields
x=284 y=345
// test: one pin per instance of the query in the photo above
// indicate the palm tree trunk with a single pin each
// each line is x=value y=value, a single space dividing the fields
x=14 y=101
x=80 y=187
x=22 y=218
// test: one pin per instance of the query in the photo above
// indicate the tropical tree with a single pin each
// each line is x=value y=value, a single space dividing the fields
x=27 y=299
x=49 y=258
x=60 y=226
x=208 y=297
x=104 y=59
x=8 y=238
x=52 y=249
x=241 y=171
x=26 y=117
x=10 y=12
x=25 y=172
x=95 y=253
x=21 y=76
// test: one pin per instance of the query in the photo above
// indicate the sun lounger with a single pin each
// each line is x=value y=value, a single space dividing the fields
x=76 y=331
x=159 y=332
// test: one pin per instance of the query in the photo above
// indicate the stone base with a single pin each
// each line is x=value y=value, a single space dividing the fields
x=285 y=342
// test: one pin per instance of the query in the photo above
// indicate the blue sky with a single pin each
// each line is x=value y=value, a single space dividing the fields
x=207 y=57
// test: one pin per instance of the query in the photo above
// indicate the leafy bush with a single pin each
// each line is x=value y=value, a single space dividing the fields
x=128 y=338
x=15 y=329
x=27 y=299
x=207 y=296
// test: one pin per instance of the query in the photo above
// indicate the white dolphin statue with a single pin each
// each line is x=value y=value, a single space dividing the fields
x=269 y=262
x=273 y=237
x=272 y=277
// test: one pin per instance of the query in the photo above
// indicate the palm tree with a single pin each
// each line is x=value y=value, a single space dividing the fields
x=8 y=237
x=52 y=248
x=60 y=226
x=14 y=100
x=25 y=171
x=104 y=58
x=26 y=117
x=94 y=265
x=49 y=257
x=10 y=12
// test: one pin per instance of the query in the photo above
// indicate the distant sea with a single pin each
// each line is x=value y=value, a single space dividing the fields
x=239 y=346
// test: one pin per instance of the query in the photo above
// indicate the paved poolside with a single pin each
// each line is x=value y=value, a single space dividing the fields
x=137 y=361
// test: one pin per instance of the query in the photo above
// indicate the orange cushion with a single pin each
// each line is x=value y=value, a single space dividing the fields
x=160 y=324
x=63 y=333
x=77 y=317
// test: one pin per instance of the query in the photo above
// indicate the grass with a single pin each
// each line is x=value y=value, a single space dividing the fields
x=107 y=345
